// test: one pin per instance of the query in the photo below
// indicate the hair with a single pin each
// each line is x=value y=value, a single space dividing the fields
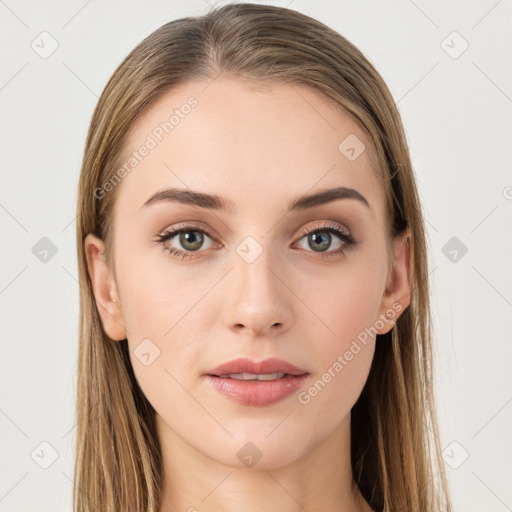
x=395 y=451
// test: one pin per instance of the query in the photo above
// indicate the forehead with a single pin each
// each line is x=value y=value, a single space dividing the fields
x=249 y=143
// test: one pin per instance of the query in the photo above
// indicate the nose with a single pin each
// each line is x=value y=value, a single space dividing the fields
x=257 y=297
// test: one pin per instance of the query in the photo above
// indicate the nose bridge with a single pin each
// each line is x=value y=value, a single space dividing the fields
x=258 y=298
x=255 y=263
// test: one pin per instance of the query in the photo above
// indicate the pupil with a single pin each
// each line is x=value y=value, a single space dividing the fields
x=191 y=237
x=321 y=241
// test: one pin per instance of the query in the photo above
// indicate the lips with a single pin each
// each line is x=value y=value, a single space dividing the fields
x=252 y=383
x=244 y=365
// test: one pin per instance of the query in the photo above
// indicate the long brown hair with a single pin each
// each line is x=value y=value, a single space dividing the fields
x=394 y=436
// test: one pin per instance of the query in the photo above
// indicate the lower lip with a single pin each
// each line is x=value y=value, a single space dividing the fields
x=257 y=393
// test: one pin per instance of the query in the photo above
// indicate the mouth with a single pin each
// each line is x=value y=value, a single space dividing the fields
x=257 y=384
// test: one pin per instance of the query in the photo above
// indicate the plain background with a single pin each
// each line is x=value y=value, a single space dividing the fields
x=456 y=104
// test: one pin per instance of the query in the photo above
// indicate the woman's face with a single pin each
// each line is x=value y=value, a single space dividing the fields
x=267 y=281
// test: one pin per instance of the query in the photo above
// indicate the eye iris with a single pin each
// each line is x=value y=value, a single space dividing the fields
x=321 y=241
x=194 y=237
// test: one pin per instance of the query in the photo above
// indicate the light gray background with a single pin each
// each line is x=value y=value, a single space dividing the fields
x=457 y=114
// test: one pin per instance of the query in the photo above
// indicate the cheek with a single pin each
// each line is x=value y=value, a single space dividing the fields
x=165 y=331
x=343 y=330
x=342 y=304
x=156 y=297
x=168 y=315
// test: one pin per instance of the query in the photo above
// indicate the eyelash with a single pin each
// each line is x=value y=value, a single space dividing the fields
x=347 y=239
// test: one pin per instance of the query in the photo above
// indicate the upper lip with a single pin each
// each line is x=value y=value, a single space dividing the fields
x=271 y=365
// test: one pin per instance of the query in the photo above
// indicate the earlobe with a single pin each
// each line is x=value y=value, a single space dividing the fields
x=104 y=288
x=397 y=295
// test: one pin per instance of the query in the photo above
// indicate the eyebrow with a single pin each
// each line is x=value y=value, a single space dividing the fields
x=215 y=202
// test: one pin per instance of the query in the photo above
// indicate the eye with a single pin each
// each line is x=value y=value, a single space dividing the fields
x=191 y=238
x=319 y=238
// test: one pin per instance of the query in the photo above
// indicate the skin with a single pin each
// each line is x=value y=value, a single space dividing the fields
x=247 y=144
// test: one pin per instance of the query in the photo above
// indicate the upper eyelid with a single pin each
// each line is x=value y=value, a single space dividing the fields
x=328 y=224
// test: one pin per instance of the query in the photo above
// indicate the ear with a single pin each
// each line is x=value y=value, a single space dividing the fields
x=397 y=295
x=104 y=288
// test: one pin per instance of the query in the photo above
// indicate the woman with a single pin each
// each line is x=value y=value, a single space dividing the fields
x=254 y=327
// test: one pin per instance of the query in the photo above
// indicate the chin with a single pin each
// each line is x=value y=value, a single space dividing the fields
x=254 y=448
